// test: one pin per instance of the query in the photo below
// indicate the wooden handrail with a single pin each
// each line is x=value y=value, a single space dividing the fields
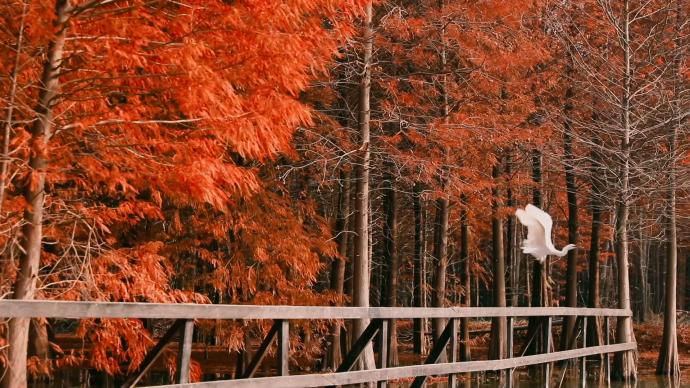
x=82 y=309
x=362 y=376
x=188 y=312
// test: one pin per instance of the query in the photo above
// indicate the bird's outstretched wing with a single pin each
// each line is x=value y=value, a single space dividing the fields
x=536 y=237
x=546 y=222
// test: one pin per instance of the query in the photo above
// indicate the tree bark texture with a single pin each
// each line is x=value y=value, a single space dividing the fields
x=466 y=280
x=361 y=270
x=497 y=347
x=419 y=296
x=33 y=192
x=568 y=336
x=390 y=235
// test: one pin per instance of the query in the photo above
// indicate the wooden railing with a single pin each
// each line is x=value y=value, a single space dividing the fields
x=378 y=317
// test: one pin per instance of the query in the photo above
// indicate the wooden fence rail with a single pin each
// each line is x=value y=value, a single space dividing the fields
x=185 y=314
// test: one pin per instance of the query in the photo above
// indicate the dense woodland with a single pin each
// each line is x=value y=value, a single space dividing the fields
x=340 y=152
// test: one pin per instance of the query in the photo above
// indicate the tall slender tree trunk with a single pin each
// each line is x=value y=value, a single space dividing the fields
x=441 y=226
x=641 y=305
x=687 y=282
x=624 y=362
x=668 y=362
x=682 y=269
x=33 y=191
x=510 y=254
x=568 y=332
x=441 y=255
x=419 y=299
x=539 y=294
x=595 y=335
x=338 y=265
x=9 y=119
x=466 y=279
x=361 y=275
x=390 y=235
x=497 y=347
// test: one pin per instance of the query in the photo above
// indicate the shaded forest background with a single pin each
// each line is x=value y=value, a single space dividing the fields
x=340 y=153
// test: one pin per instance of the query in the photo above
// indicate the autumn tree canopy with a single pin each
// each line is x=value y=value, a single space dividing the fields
x=338 y=152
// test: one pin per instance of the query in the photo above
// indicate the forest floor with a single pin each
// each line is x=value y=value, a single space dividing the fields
x=648 y=336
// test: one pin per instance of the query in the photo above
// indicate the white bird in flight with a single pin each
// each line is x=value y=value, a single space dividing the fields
x=538 y=242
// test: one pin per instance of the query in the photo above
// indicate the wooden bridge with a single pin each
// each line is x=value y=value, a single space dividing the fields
x=378 y=317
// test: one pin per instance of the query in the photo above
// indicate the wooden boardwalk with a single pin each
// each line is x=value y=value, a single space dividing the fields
x=378 y=317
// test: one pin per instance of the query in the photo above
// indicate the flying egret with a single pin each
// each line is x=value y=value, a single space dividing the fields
x=538 y=242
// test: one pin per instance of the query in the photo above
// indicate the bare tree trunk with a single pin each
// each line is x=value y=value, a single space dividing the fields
x=32 y=231
x=658 y=277
x=682 y=269
x=595 y=335
x=441 y=255
x=668 y=362
x=466 y=279
x=390 y=235
x=497 y=347
x=338 y=265
x=539 y=292
x=7 y=131
x=568 y=332
x=624 y=362
x=641 y=307
x=687 y=282
x=510 y=254
x=441 y=226
x=361 y=276
x=419 y=269
x=346 y=332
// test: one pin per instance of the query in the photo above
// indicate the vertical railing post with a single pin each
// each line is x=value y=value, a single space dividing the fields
x=184 y=356
x=583 y=370
x=283 y=347
x=608 y=359
x=383 y=351
x=547 y=336
x=509 y=339
x=452 y=380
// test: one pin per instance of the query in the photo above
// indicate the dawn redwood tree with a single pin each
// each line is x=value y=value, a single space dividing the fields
x=337 y=275
x=392 y=259
x=33 y=190
x=147 y=123
x=498 y=325
x=595 y=336
x=668 y=362
x=419 y=294
x=567 y=340
x=616 y=57
x=465 y=279
x=360 y=282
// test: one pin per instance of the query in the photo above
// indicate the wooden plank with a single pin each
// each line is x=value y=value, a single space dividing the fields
x=79 y=309
x=184 y=356
x=283 y=347
x=547 y=366
x=355 y=377
x=383 y=352
x=153 y=354
x=452 y=380
x=583 y=367
x=262 y=351
x=509 y=340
